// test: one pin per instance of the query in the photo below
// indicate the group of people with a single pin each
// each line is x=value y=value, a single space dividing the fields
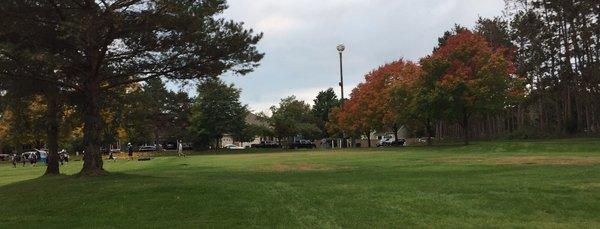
x=42 y=156
x=112 y=157
x=24 y=158
x=39 y=156
x=130 y=150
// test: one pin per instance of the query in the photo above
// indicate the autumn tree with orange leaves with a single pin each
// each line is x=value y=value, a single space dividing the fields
x=349 y=120
x=464 y=78
x=468 y=78
x=372 y=106
x=397 y=92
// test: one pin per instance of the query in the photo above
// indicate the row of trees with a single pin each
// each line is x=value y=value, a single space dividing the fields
x=465 y=77
x=557 y=51
x=95 y=70
x=150 y=113
x=141 y=114
x=79 y=53
x=533 y=73
x=555 y=48
x=296 y=118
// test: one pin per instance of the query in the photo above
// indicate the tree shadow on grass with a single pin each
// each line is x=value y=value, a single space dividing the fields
x=47 y=183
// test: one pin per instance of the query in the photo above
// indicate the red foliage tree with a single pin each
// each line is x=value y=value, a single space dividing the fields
x=370 y=105
x=469 y=76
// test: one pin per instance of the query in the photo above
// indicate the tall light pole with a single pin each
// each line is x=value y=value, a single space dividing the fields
x=341 y=49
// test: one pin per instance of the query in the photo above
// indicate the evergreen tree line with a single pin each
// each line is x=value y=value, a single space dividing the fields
x=561 y=62
x=557 y=52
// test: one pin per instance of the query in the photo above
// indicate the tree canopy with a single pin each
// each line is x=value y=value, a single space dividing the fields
x=325 y=101
x=471 y=77
x=92 y=47
x=217 y=111
x=292 y=118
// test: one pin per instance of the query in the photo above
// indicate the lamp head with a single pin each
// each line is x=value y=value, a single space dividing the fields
x=341 y=47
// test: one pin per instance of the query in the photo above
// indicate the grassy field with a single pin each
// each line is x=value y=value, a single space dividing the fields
x=488 y=184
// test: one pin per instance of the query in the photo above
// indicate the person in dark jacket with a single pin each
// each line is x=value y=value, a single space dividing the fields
x=130 y=151
x=15 y=159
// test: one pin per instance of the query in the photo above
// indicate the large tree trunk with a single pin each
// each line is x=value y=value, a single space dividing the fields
x=92 y=160
x=368 y=134
x=52 y=132
x=395 y=128
x=429 y=130
x=465 y=127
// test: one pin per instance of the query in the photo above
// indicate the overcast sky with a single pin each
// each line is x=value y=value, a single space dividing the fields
x=300 y=37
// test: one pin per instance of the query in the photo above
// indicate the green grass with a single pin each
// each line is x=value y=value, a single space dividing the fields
x=489 y=184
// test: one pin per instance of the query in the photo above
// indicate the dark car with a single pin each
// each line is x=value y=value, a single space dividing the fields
x=4 y=157
x=170 y=146
x=303 y=144
x=186 y=146
x=265 y=145
x=108 y=150
x=147 y=148
x=390 y=142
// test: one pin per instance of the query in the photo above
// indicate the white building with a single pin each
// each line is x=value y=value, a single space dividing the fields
x=251 y=119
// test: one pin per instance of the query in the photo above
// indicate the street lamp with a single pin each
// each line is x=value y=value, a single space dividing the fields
x=341 y=49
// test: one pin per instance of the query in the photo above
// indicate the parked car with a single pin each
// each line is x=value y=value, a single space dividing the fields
x=390 y=142
x=266 y=144
x=106 y=151
x=303 y=144
x=28 y=153
x=232 y=146
x=4 y=157
x=186 y=146
x=170 y=146
x=148 y=148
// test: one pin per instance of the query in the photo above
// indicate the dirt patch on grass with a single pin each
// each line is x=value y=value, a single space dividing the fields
x=587 y=186
x=299 y=167
x=524 y=160
x=545 y=160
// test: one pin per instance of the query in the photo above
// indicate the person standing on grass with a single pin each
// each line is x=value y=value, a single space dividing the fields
x=33 y=159
x=43 y=157
x=63 y=156
x=111 y=156
x=66 y=157
x=15 y=158
x=180 y=149
x=130 y=151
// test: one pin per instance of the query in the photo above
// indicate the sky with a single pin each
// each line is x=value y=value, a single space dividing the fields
x=300 y=38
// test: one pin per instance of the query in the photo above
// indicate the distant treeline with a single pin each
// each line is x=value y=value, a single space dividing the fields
x=532 y=73
x=557 y=53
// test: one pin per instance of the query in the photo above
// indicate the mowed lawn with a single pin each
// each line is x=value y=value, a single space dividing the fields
x=505 y=184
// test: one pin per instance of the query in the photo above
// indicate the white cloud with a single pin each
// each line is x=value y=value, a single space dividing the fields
x=277 y=24
x=300 y=38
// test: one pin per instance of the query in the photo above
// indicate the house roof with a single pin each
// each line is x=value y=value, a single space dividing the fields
x=256 y=120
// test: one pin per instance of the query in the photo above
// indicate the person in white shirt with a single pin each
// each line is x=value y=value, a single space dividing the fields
x=63 y=156
x=180 y=149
